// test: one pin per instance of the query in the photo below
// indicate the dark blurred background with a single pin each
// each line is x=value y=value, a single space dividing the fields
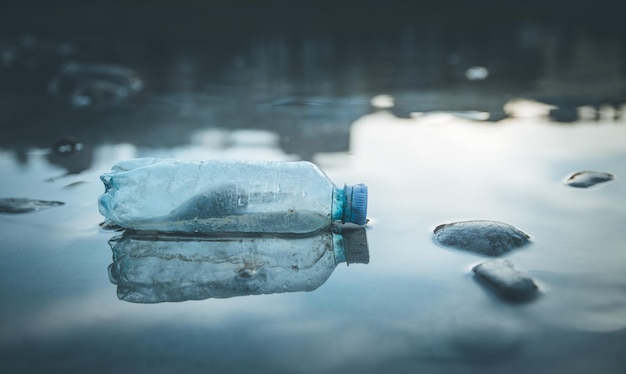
x=303 y=69
x=166 y=19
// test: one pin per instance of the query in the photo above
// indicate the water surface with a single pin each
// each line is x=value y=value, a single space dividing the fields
x=465 y=131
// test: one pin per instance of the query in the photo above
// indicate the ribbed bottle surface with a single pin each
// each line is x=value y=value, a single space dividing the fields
x=218 y=196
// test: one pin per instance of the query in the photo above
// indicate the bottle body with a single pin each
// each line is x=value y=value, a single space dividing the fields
x=220 y=196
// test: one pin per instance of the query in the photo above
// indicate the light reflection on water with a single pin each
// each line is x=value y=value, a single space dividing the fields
x=415 y=306
x=512 y=172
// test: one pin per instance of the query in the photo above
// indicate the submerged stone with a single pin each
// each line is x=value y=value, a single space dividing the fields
x=20 y=205
x=489 y=238
x=585 y=179
x=95 y=85
x=74 y=184
x=509 y=282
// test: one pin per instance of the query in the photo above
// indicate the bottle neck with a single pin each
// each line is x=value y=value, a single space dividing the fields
x=350 y=246
x=338 y=248
x=339 y=204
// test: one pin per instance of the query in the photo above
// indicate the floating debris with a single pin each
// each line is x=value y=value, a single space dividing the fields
x=509 y=282
x=20 y=205
x=585 y=179
x=488 y=238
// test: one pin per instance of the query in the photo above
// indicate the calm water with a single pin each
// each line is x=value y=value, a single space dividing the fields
x=447 y=129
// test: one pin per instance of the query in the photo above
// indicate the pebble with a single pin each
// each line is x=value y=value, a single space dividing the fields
x=586 y=179
x=489 y=238
x=95 y=85
x=21 y=205
x=510 y=283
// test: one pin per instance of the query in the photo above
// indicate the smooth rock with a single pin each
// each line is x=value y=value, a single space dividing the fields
x=509 y=282
x=95 y=85
x=586 y=179
x=21 y=205
x=488 y=238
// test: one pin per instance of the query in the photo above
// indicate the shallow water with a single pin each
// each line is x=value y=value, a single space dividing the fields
x=416 y=305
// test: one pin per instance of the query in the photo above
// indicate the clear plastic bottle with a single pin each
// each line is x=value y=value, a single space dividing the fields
x=154 y=268
x=227 y=196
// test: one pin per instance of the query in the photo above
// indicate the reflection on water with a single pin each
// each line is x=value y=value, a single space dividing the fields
x=150 y=268
x=307 y=90
x=421 y=305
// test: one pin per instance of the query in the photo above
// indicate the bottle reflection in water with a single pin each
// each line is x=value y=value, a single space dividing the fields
x=152 y=268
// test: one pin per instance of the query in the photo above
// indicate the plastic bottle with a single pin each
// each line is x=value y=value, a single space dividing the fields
x=168 y=268
x=227 y=196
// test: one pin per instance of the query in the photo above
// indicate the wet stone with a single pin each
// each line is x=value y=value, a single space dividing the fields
x=95 y=85
x=510 y=283
x=106 y=226
x=21 y=205
x=74 y=184
x=489 y=238
x=586 y=179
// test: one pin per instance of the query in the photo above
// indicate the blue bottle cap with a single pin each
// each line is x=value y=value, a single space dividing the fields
x=355 y=208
